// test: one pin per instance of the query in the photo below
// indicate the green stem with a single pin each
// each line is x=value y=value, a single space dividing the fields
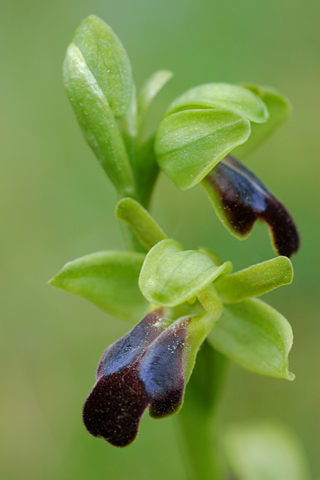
x=197 y=418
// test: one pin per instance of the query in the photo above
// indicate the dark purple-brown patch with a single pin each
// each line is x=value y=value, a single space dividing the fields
x=137 y=372
x=245 y=199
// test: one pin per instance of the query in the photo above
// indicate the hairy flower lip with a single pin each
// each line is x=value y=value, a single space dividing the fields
x=244 y=199
x=143 y=369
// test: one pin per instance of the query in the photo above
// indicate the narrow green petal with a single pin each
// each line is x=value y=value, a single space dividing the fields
x=255 y=281
x=107 y=279
x=256 y=336
x=142 y=223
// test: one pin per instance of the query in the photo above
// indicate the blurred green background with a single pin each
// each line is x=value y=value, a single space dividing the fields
x=56 y=205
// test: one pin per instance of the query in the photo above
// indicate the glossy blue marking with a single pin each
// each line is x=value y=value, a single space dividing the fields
x=243 y=183
x=161 y=367
x=128 y=348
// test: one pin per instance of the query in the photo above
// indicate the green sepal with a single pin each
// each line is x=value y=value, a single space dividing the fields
x=108 y=62
x=107 y=279
x=142 y=223
x=255 y=336
x=256 y=280
x=264 y=451
x=96 y=120
x=279 y=109
x=171 y=275
x=150 y=89
x=190 y=143
x=235 y=98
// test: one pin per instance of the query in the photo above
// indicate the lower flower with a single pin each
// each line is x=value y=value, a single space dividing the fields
x=148 y=367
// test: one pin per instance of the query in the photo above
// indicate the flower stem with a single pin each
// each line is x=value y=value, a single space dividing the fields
x=197 y=418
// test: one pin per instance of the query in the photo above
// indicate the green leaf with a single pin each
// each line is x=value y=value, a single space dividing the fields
x=171 y=275
x=108 y=62
x=190 y=143
x=256 y=336
x=107 y=279
x=279 y=109
x=255 y=281
x=142 y=223
x=150 y=89
x=236 y=98
x=96 y=120
x=265 y=451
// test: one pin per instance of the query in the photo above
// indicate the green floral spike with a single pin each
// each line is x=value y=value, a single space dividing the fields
x=255 y=281
x=142 y=223
x=255 y=336
x=279 y=109
x=184 y=297
x=190 y=143
x=171 y=275
x=107 y=279
x=235 y=98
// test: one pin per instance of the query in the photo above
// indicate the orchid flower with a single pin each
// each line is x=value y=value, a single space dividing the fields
x=186 y=298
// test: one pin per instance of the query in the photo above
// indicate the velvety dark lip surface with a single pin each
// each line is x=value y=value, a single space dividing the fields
x=143 y=369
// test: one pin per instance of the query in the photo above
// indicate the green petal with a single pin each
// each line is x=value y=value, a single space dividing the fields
x=256 y=336
x=144 y=226
x=279 y=109
x=107 y=60
x=236 y=98
x=107 y=279
x=190 y=143
x=265 y=451
x=96 y=119
x=255 y=281
x=171 y=275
